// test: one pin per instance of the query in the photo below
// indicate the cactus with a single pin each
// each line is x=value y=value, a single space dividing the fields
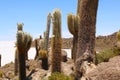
x=43 y=44
x=16 y=62
x=43 y=54
x=47 y=31
x=23 y=43
x=0 y=60
x=118 y=35
x=86 y=30
x=56 y=41
x=73 y=22
x=20 y=26
x=37 y=49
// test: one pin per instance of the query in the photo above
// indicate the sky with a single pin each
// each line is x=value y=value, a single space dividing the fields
x=33 y=13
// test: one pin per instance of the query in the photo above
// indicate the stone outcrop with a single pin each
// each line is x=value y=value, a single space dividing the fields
x=106 y=71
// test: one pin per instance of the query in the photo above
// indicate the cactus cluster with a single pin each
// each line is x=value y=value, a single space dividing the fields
x=23 y=44
x=56 y=41
x=73 y=23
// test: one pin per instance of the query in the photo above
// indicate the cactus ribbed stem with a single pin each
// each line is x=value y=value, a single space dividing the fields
x=87 y=11
x=56 y=41
x=23 y=44
x=73 y=22
x=47 y=31
x=70 y=21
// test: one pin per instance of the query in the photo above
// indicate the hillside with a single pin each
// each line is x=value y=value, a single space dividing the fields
x=102 y=42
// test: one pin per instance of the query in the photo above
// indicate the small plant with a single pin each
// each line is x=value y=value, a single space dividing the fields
x=1 y=74
x=43 y=54
x=59 y=76
x=105 y=55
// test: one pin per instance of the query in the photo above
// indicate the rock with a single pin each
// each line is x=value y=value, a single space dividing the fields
x=68 y=68
x=64 y=56
x=39 y=74
x=106 y=70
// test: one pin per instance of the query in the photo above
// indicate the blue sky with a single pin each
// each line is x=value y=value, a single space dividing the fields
x=33 y=14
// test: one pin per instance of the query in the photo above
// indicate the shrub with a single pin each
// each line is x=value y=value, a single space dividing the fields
x=1 y=74
x=59 y=76
x=105 y=55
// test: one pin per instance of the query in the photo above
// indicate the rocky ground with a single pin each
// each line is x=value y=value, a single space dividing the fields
x=34 y=69
x=103 y=71
x=106 y=70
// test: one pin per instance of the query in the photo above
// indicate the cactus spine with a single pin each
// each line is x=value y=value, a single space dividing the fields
x=23 y=44
x=73 y=22
x=56 y=41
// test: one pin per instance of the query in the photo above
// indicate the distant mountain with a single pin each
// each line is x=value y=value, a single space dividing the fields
x=102 y=42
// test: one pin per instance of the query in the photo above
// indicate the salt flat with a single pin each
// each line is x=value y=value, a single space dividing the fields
x=7 y=51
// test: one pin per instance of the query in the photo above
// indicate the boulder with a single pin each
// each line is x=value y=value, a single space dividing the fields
x=106 y=70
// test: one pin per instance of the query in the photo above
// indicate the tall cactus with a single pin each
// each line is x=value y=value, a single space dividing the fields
x=86 y=30
x=56 y=41
x=73 y=22
x=20 y=28
x=47 y=31
x=23 y=44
